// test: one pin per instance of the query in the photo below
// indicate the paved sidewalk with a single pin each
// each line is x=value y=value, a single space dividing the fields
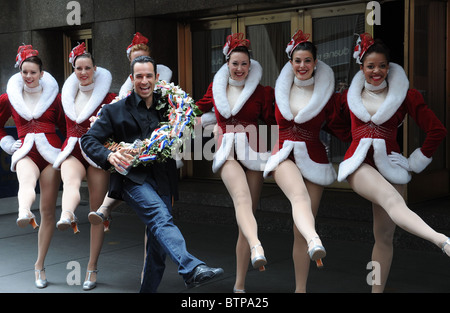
x=413 y=271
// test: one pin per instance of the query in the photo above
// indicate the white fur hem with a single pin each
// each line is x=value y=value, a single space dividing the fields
x=351 y=164
x=318 y=173
x=389 y=170
x=88 y=159
x=64 y=154
x=222 y=154
x=251 y=159
x=46 y=150
x=278 y=157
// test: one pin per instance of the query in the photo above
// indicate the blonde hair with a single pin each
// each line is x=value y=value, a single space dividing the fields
x=139 y=47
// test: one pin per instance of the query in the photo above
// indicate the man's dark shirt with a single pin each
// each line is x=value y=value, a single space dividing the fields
x=162 y=176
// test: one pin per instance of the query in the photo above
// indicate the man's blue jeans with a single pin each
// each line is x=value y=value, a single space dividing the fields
x=163 y=236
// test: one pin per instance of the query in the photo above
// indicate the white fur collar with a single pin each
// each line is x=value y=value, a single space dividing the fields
x=323 y=89
x=14 y=89
x=102 y=79
x=219 y=89
x=398 y=85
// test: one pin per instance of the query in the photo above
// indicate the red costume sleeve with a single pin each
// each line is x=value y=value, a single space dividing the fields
x=207 y=102
x=426 y=120
x=5 y=114
x=338 y=121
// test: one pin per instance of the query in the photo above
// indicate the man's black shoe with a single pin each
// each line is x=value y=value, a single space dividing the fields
x=202 y=274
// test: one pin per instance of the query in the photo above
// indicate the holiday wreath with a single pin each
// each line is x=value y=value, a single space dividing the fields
x=168 y=138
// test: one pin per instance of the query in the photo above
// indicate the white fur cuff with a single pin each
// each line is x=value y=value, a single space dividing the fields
x=6 y=144
x=418 y=161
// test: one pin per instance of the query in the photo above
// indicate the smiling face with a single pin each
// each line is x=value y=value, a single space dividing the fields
x=84 y=70
x=239 y=65
x=375 y=68
x=144 y=80
x=303 y=64
x=31 y=74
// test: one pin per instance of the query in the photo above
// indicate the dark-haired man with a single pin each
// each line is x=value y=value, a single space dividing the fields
x=146 y=189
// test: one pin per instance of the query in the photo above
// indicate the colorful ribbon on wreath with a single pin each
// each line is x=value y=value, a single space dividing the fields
x=166 y=135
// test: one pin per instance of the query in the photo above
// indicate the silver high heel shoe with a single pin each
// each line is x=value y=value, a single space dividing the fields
x=39 y=282
x=259 y=260
x=64 y=224
x=88 y=284
x=26 y=218
x=447 y=242
x=98 y=217
x=316 y=252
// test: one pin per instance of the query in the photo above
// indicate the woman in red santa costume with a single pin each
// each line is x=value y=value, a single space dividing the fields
x=33 y=102
x=304 y=97
x=239 y=101
x=379 y=99
x=83 y=94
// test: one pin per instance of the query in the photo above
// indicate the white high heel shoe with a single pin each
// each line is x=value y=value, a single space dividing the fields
x=26 y=217
x=447 y=242
x=98 y=217
x=88 y=284
x=259 y=260
x=316 y=252
x=39 y=282
x=64 y=224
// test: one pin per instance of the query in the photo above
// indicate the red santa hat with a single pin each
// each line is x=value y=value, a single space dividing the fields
x=363 y=43
x=24 y=52
x=298 y=38
x=234 y=41
x=77 y=51
x=137 y=39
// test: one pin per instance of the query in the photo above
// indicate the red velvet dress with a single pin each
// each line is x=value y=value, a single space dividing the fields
x=239 y=127
x=78 y=125
x=374 y=137
x=37 y=129
x=299 y=136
